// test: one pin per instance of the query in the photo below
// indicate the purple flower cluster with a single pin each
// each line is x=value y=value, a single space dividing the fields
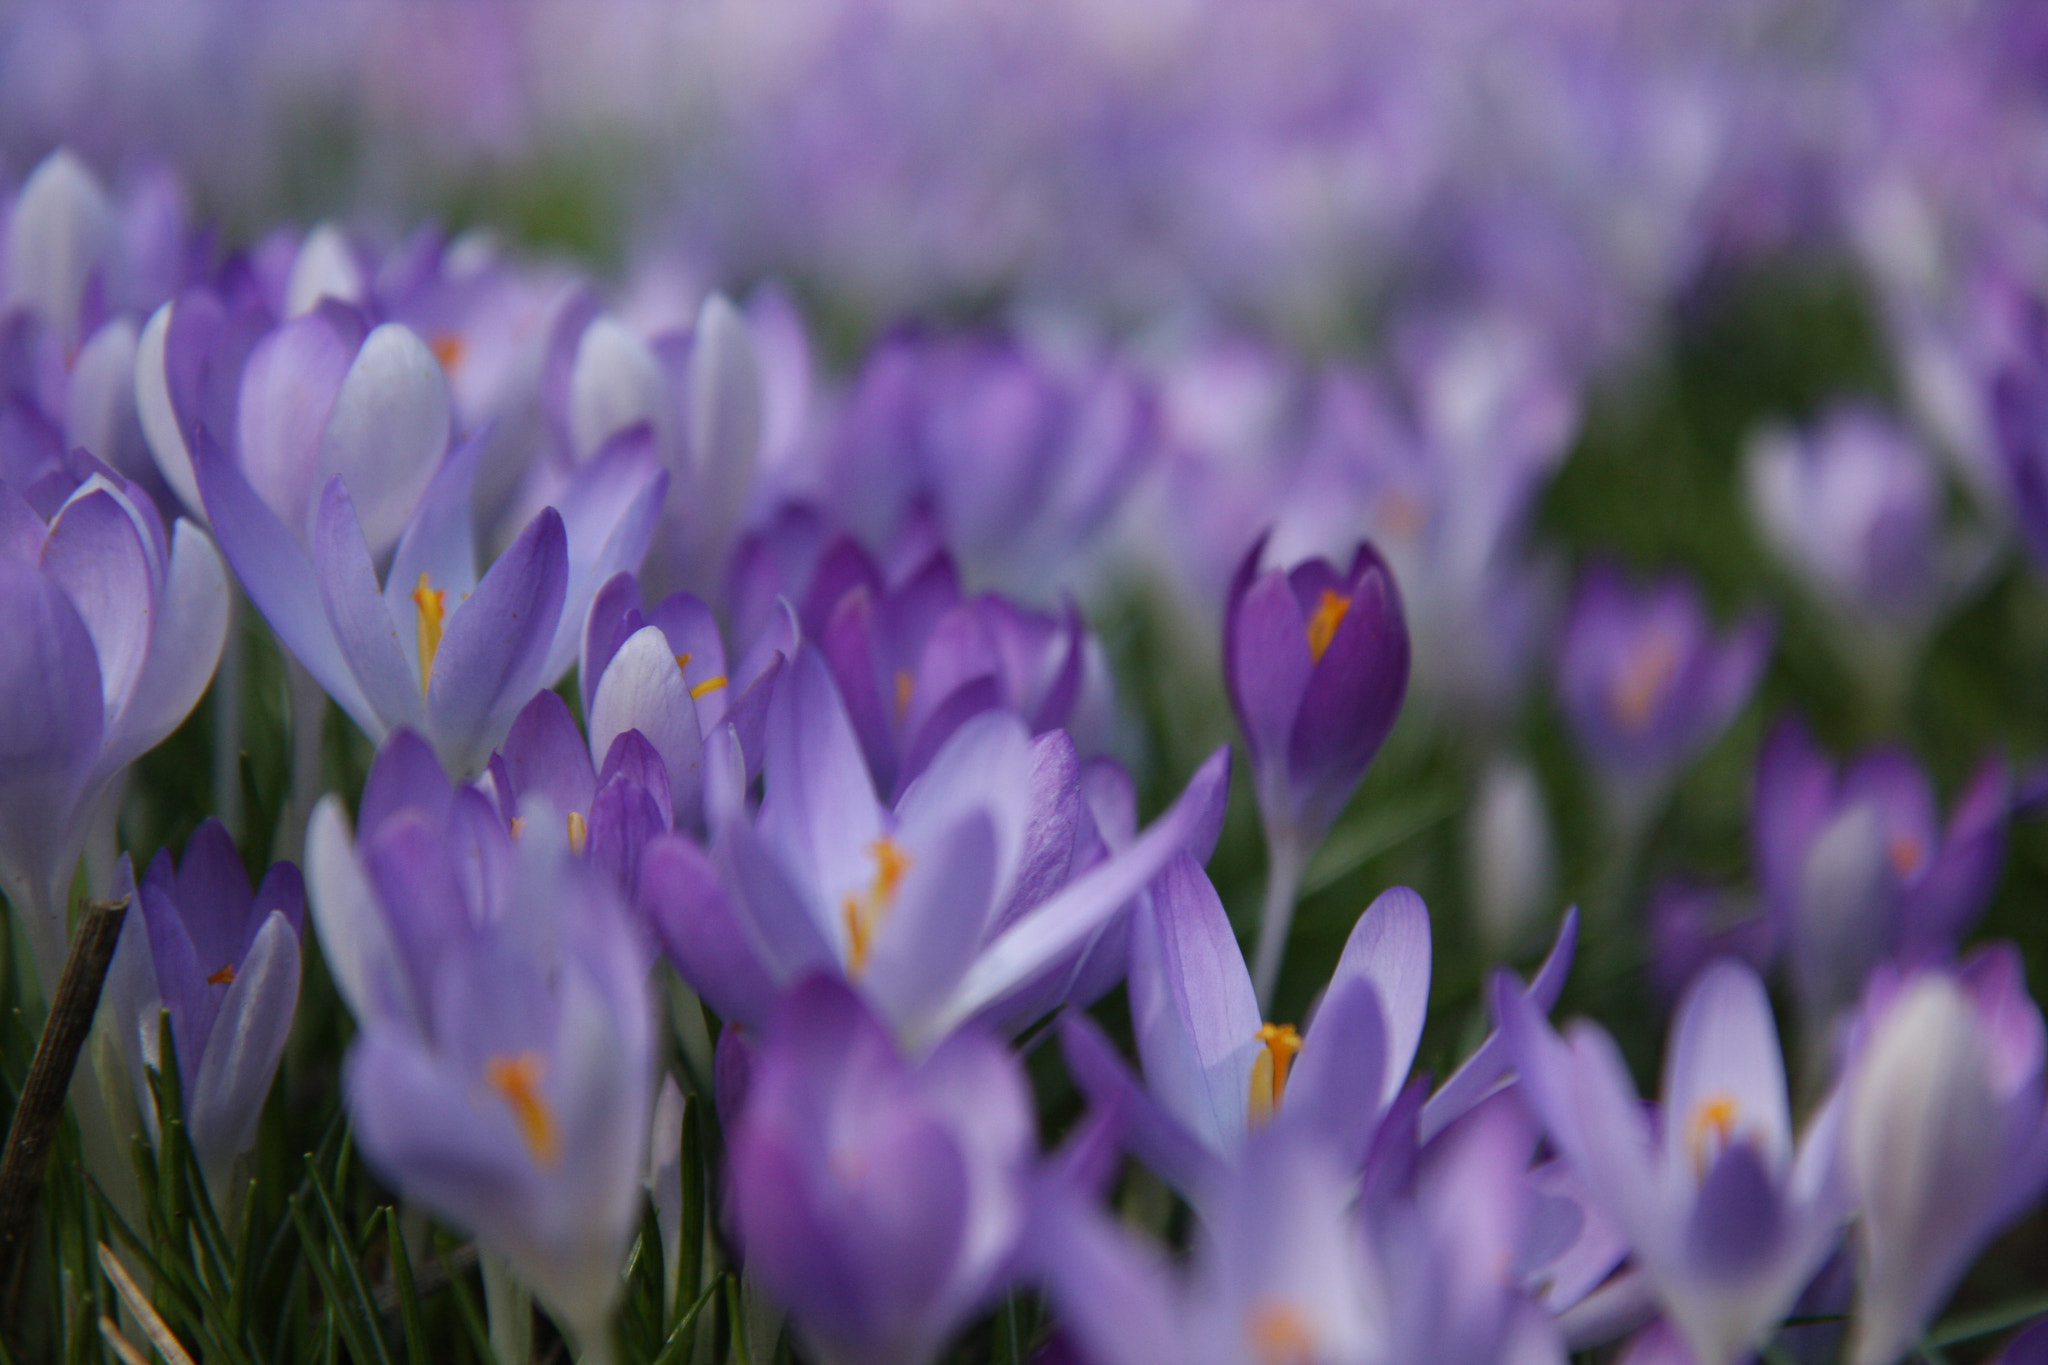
x=843 y=764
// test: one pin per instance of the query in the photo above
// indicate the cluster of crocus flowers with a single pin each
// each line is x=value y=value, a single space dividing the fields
x=842 y=779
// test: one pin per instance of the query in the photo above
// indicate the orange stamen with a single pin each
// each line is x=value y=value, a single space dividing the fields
x=448 y=348
x=1279 y=1334
x=433 y=608
x=1708 y=1132
x=1269 y=1070
x=224 y=977
x=517 y=1081
x=865 y=912
x=1331 y=609
x=1635 y=692
x=579 y=833
x=1904 y=852
x=903 y=686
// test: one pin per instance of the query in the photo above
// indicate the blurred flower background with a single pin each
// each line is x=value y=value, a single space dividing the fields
x=851 y=604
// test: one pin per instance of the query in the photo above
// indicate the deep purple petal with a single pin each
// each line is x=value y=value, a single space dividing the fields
x=494 y=651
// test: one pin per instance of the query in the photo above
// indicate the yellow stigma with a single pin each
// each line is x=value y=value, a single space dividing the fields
x=448 y=348
x=702 y=689
x=865 y=912
x=579 y=833
x=1279 y=1334
x=433 y=608
x=1269 y=1070
x=903 y=686
x=1708 y=1131
x=1635 y=692
x=517 y=1081
x=1331 y=610
x=224 y=977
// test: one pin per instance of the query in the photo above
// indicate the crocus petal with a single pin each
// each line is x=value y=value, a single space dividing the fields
x=247 y=1041
x=1336 y=1086
x=614 y=614
x=190 y=627
x=790 y=935
x=279 y=578
x=687 y=904
x=643 y=689
x=1156 y=1136
x=95 y=555
x=616 y=383
x=440 y=539
x=1724 y=1050
x=1267 y=657
x=365 y=629
x=1067 y=919
x=1389 y=946
x=289 y=383
x=545 y=754
x=924 y=946
x=1491 y=1060
x=59 y=235
x=608 y=511
x=388 y=430
x=725 y=408
x=1192 y=1008
x=161 y=428
x=355 y=941
x=820 y=807
x=493 y=654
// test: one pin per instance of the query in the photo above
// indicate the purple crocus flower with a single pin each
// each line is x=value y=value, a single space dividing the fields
x=1317 y=665
x=1945 y=1137
x=504 y=1072
x=433 y=647
x=225 y=964
x=1727 y=1220
x=915 y=657
x=1645 y=683
x=879 y=1199
x=1020 y=454
x=1855 y=868
x=1215 y=1072
x=940 y=906
x=114 y=629
x=664 y=672
x=609 y=809
x=1855 y=508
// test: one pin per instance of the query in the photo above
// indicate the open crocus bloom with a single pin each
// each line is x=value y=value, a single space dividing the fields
x=504 y=1073
x=1727 y=1219
x=432 y=646
x=910 y=902
x=1215 y=1072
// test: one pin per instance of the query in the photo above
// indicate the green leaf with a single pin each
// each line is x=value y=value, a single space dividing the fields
x=413 y=1325
x=682 y=1335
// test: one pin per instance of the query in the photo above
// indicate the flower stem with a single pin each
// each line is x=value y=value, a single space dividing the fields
x=1285 y=865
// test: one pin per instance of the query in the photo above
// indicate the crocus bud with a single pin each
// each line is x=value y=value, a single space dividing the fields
x=1509 y=846
x=225 y=965
x=1942 y=1141
x=1317 y=664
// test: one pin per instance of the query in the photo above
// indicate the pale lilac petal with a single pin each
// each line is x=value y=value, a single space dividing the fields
x=355 y=942
x=1193 y=1012
x=1154 y=1133
x=726 y=410
x=820 y=807
x=388 y=430
x=1724 y=1047
x=1491 y=1061
x=682 y=896
x=365 y=629
x=95 y=556
x=439 y=540
x=244 y=1048
x=615 y=384
x=154 y=409
x=609 y=511
x=790 y=934
x=643 y=689
x=274 y=570
x=1336 y=1086
x=1065 y=921
x=931 y=934
x=287 y=392
x=190 y=627
x=1389 y=946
